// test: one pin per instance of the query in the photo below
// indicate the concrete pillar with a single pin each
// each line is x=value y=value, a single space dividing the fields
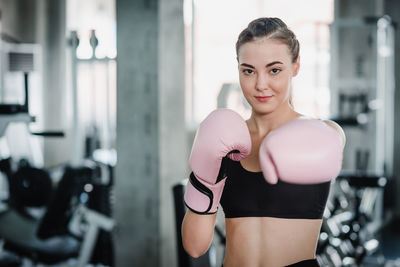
x=173 y=149
x=137 y=185
x=151 y=142
x=392 y=8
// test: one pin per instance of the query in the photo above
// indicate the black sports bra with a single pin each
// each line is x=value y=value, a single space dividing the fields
x=247 y=194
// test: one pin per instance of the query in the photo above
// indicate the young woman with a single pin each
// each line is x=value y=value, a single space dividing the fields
x=270 y=173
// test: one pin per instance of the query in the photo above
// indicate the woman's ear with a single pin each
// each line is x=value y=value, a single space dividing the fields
x=296 y=66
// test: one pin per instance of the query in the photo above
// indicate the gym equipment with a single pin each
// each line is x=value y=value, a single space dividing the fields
x=353 y=109
x=362 y=89
x=69 y=229
x=348 y=231
x=19 y=60
x=362 y=99
x=101 y=201
x=29 y=187
x=21 y=236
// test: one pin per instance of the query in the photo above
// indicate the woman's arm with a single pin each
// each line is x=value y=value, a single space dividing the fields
x=222 y=134
x=197 y=232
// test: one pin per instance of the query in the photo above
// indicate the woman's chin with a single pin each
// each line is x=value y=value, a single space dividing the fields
x=263 y=111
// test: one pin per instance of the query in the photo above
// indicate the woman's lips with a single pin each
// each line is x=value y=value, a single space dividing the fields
x=263 y=98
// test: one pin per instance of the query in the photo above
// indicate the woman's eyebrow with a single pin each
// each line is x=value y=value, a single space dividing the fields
x=247 y=65
x=273 y=63
x=268 y=65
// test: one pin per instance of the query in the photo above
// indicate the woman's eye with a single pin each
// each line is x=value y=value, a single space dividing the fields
x=275 y=71
x=248 y=71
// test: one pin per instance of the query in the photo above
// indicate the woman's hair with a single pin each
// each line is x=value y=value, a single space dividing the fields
x=269 y=28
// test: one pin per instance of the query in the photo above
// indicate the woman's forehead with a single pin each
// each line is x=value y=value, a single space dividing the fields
x=264 y=51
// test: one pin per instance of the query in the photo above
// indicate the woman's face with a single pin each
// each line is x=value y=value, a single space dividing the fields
x=265 y=74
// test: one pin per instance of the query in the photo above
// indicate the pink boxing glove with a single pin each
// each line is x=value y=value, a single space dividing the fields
x=302 y=151
x=223 y=133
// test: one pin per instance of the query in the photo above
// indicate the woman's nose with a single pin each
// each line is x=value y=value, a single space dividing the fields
x=262 y=83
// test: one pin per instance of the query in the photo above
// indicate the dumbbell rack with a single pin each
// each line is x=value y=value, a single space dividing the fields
x=347 y=235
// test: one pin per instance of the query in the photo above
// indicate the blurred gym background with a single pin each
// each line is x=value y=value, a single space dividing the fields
x=100 y=100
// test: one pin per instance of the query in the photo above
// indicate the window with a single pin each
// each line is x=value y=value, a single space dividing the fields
x=213 y=26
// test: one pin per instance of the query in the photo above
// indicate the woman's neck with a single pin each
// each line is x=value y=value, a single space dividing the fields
x=262 y=124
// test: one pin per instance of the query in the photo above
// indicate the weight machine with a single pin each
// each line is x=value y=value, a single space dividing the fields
x=76 y=212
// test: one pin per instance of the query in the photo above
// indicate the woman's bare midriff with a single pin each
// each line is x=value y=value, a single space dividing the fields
x=269 y=242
